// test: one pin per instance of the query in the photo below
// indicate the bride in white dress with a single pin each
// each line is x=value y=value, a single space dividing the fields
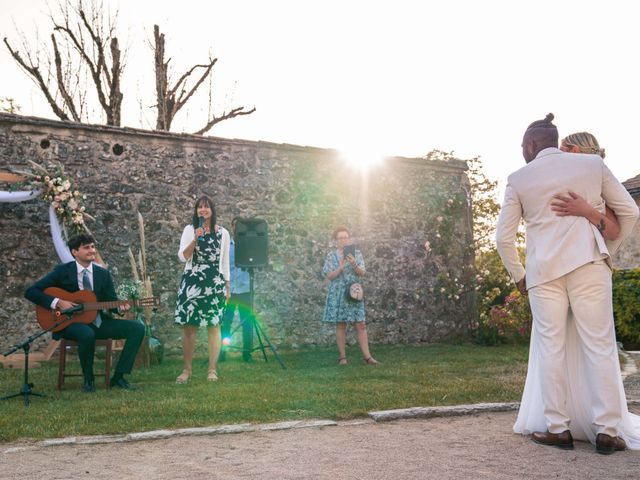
x=579 y=398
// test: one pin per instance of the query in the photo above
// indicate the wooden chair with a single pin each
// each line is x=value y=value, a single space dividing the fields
x=65 y=344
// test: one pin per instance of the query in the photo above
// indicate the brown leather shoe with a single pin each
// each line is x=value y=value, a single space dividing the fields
x=606 y=444
x=562 y=440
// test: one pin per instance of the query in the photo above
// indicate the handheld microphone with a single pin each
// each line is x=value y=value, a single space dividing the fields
x=200 y=225
x=72 y=310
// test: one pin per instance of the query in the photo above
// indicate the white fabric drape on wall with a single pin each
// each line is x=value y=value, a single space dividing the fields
x=56 y=231
x=56 y=235
x=14 y=197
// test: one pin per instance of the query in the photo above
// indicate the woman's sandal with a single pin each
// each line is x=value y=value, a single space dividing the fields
x=342 y=361
x=184 y=377
x=371 y=361
x=212 y=376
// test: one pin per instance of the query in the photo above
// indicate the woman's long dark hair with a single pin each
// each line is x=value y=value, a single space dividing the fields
x=207 y=200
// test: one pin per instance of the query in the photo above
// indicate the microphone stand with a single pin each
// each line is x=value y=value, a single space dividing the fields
x=27 y=387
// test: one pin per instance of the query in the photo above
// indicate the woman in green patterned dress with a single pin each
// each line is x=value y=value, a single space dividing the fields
x=204 y=288
x=342 y=271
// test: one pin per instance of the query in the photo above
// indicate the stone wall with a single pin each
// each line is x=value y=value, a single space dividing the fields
x=412 y=295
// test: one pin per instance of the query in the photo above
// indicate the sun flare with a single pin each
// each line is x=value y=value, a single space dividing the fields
x=361 y=159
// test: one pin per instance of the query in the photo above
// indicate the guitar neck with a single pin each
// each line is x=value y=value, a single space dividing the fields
x=109 y=305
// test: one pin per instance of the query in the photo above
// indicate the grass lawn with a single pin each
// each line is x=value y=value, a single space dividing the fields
x=312 y=386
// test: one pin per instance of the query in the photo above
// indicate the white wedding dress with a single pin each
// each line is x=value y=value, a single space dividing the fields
x=531 y=414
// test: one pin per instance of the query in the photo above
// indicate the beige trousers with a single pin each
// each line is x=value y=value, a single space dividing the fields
x=587 y=291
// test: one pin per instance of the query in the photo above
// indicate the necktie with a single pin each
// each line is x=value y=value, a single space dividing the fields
x=86 y=285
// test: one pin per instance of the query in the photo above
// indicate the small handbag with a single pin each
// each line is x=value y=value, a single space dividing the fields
x=354 y=292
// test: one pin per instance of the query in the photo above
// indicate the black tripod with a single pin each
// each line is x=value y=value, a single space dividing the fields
x=260 y=333
x=27 y=387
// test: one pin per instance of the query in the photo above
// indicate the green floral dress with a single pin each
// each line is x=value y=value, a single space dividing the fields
x=337 y=307
x=201 y=297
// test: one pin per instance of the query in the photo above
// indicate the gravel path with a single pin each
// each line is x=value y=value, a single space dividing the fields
x=475 y=446
x=479 y=446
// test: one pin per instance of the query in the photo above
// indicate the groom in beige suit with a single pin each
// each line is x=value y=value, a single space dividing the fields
x=568 y=265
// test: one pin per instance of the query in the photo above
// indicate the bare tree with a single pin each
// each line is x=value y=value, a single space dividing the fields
x=171 y=99
x=32 y=63
x=83 y=40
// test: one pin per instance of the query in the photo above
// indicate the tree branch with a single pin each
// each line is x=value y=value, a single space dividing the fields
x=68 y=100
x=101 y=66
x=105 y=79
x=95 y=72
x=34 y=71
x=167 y=103
x=181 y=99
x=236 y=112
x=115 y=95
x=161 y=80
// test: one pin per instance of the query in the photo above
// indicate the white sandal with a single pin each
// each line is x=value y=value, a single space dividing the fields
x=212 y=376
x=183 y=377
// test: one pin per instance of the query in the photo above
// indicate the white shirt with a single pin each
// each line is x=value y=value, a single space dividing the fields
x=81 y=269
x=80 y=275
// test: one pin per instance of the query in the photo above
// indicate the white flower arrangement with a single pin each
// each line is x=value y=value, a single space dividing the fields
x=59 y=190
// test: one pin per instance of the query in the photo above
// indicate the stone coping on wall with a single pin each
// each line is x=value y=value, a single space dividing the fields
x=20 y=120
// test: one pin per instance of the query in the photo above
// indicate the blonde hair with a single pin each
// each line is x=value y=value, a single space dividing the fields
x=585 y=142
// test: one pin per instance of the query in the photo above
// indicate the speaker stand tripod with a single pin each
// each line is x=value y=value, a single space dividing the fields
x=260 y=333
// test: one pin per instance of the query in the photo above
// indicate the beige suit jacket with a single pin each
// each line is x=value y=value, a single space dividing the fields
x=558 y=245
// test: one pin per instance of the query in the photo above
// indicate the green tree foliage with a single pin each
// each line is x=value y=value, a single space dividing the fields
x=626 y=306
x=485 y=208
x=493 y=284
x=9 y=105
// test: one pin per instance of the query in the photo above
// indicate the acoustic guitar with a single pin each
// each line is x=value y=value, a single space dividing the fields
x=48 y=318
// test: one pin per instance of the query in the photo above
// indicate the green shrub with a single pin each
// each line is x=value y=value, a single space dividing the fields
x=512 y=320
x=493 y=286
x=626 y=306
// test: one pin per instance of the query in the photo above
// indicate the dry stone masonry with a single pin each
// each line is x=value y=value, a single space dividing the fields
x=413 y=294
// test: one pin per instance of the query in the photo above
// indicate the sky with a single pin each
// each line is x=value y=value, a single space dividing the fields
x=380 y=78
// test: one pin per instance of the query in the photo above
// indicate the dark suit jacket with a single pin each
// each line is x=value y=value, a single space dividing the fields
x=65 y=276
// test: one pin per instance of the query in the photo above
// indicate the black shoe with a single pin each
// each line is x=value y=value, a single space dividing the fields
x=89 y=386
x=120 y=382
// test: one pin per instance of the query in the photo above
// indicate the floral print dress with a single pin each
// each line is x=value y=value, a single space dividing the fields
x=338 y=308
x=201 y=297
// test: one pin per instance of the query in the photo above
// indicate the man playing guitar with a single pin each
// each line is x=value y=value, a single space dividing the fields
x=83 y=274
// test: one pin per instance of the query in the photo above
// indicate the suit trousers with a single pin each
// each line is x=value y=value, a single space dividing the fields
x=86 y=335
x=587 y=291
x=242 y=303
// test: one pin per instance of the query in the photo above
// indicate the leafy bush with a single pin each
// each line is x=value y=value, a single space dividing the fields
x=626 y=307
x=512 y=320
x=492 y=282
x=493 y=285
